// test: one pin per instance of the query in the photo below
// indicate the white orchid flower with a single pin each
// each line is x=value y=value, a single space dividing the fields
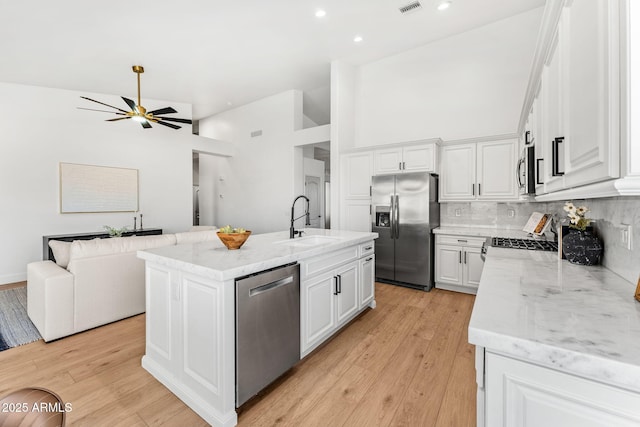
x=582 y=210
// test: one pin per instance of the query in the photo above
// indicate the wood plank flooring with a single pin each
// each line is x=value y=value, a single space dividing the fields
x=406 y=363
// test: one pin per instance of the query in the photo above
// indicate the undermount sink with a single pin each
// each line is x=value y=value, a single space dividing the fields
x=309 y=241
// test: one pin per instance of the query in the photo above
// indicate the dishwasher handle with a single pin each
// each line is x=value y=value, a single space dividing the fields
x=269 y=286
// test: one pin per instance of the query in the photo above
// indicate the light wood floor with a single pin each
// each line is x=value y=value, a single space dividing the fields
x=406 y=363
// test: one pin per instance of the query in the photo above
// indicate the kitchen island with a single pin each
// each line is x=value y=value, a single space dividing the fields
x=556 y=343
x=190 y=306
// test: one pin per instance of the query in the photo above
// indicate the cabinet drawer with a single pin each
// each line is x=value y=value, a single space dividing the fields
x=366 y=249
x=473 y=242
x=326 y=262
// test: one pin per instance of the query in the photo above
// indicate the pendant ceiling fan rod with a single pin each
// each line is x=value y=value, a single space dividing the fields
x=138 y=69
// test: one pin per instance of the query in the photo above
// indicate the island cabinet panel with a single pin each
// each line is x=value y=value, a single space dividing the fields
x=367 y=279
x=160 y=318
x=318 y=317
x=201 y=318
x=190 y=340
x=523 y=394
x=333 y=290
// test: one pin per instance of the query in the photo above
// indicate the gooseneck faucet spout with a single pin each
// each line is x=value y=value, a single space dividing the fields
x=292 y=230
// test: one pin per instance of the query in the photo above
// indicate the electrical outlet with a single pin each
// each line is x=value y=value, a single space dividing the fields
x=511 y=213
x=625 y=236
x=458 y=212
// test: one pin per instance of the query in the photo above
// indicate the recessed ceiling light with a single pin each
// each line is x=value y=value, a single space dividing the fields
x=357 y=39
x=444 y=5
x=320 y=13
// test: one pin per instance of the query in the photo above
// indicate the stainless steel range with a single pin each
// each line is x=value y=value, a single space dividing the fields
x=530 y=244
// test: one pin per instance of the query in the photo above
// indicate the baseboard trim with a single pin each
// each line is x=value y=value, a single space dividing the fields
x=8 y=279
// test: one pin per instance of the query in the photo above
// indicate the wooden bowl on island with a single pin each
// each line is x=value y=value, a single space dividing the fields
x=233 y=240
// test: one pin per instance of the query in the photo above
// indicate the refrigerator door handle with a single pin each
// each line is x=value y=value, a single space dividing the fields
x=392 y=218
x=397 y=220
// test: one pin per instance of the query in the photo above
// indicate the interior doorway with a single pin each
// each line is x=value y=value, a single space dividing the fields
x=314 y=190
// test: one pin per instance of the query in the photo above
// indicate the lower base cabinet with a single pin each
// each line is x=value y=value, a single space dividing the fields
x=458 y=263
x=518 y=394
x=331 y=298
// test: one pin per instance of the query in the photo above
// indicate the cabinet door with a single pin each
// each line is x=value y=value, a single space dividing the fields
x=496 y=175
x=592 y=80
x=347 y=298
x=356 y=175
x=356 y=215
x=448 y=260
x=520 y=394
x=387 y=161
x=458 y=172
x=419 y=158
x=367 y=280
x=317 y=311
x=473 y=265
x=162 y=316
x=552 y=113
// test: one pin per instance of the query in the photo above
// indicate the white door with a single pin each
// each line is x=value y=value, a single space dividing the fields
x=347 y=298
x=448 y=262
x=367 y=280
x=419 y=158
x=473 y=266
x=317 y=309
x=458 y=172
x=387 y=161
x=496 y=177
x=314 y=190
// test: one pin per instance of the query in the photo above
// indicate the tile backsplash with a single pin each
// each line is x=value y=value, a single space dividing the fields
x=608 y=214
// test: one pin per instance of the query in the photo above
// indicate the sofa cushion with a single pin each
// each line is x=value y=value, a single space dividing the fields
x=196 y=236
x=97 y=247
x=61 y=251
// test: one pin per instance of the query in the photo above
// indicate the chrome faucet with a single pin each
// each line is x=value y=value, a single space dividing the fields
x=293 y=231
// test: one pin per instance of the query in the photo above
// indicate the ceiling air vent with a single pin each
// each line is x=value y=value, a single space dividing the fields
x=414 y=6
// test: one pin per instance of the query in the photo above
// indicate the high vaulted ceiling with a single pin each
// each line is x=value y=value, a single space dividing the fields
x=216 y=54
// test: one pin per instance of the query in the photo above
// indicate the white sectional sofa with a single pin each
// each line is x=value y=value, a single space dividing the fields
x=93 y=282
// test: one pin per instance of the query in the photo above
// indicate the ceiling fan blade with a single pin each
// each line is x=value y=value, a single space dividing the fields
x=117 y=118
x=175 y=119
x=166 y=110
x=169 y=125
x=130 y=103
x=102 y=103
x=103 y=111
x=145 y=124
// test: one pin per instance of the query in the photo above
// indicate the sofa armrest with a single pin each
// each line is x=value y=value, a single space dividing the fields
x=50 y=303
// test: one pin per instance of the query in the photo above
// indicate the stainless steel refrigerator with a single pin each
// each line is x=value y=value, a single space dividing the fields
x=405 y=210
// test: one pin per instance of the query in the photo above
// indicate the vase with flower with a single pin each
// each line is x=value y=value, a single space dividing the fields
x=580 y=246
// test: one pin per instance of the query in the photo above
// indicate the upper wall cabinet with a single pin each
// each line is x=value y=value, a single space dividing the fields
x=411 y=158
x=583 y=85
x=479 y=171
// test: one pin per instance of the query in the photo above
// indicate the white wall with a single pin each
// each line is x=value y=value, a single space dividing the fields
x=259 y=182
x=465 y=86
x=41 y=127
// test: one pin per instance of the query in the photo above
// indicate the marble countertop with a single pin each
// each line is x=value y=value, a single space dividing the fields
x=578 y=319
x=478 y=231
x=260 y=252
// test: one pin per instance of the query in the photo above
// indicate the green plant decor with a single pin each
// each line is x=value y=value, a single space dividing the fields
x=115 y=232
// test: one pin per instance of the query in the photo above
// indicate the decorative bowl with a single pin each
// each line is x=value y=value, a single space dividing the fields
x=233 y=240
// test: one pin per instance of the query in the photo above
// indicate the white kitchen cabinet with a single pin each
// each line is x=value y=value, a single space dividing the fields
x=356 y=172
x=331 y=292
x=591 y=76
x=411 y=158
x=367 y=279
x=518 y=393
x=458 y=263
x=479 y=171
x=584 y=65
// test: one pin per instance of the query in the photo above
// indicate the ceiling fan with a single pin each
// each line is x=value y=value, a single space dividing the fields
x=138 y=113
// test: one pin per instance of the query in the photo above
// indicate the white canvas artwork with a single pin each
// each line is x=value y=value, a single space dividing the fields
x=88 y=188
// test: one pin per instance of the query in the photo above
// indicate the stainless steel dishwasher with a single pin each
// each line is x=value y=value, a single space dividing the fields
x=267 y=328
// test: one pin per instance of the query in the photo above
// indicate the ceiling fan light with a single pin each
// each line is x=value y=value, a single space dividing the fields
x=139 y=119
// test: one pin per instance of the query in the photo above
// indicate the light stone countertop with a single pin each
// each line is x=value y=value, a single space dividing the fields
x=478 y=231
x=579 y=319
x=260 y=252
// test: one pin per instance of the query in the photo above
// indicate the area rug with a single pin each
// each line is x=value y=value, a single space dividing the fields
x=15 y=327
